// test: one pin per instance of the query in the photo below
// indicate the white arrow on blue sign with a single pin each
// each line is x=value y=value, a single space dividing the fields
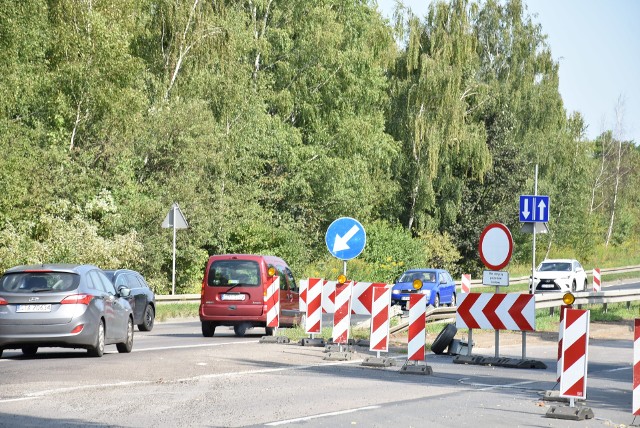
x=534 y=209
x=345 y=238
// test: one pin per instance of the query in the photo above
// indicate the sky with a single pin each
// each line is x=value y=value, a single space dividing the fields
x=597 y=44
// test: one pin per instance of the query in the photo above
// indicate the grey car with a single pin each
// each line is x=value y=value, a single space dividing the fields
x=63 y=305
x=142 y=297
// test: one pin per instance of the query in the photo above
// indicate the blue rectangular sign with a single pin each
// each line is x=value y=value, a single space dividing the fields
x=534 y=209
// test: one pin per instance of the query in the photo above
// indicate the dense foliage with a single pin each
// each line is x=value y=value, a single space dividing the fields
x=268 y=119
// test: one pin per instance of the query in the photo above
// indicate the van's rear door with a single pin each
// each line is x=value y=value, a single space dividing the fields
x=233 y=288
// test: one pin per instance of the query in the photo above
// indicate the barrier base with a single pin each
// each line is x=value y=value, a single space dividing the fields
x=378 y=362
x=459 y=347
x=312 y=342
x=554 y=396
x=363 y=342
x=499 y=362
x=417 y=368
x=570 y=413
x=274 y=339
x=333 y=347
x=338 y=356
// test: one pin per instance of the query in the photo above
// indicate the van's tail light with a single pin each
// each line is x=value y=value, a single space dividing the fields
x=202 y=290
x=77 y=299
x=3 y=302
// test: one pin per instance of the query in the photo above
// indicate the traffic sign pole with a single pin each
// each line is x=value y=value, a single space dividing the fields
x=533 y=261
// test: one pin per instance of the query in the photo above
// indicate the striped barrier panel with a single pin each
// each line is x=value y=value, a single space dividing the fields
x=328 y=297
x=560 y=332
x=499 y=311
x=417 y=332
x=342 y=315
x=272 y=301
x=636 y=367
x=381 y=314
x=465 y=283
x=313 y=323
x=302 y=301
x=361 y=297
x=597 y=286
x=575 y=345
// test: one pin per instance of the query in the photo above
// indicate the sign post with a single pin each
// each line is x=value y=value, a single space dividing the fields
x=174 y=219
x=495 y=248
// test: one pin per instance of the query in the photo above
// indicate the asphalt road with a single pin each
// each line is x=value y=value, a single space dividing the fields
x=175 y=377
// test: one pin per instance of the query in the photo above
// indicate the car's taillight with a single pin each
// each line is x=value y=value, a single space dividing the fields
x=81 y=299
x=78 y=329
x=3 y=302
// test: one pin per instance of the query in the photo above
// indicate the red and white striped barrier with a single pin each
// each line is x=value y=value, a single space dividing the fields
x=465 y=283
x=272 y=301
x=513 y=311
x=596 y=280
x=361 y=296
x=302 y=301
x=636 y=367
x=342 y=316
x=313 y=322
x=416 y=337
x=381 y=314
x=328 y=297
x=560 y=332
x=575 y=346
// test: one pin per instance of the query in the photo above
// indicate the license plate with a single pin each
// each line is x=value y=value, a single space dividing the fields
x=33 y=308
x=234 y=297
x=546 y=285
x=404 y=298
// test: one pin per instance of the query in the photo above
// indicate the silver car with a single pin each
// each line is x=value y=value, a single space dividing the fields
x=62 y=305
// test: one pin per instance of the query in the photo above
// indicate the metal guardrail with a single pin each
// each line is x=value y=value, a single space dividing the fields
x=525 y=279
x=546 y=300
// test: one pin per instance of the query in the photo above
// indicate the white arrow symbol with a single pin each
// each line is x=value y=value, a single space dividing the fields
x=341 y=241
x=541 y=207
x=526 y=208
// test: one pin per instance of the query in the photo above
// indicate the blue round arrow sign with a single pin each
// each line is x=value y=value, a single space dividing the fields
x=345 y=238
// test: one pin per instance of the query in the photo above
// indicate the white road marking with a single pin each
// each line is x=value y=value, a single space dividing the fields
x=488 y=387
x=56 y=391
x=322 y=415
x=202 y=345
x=617 y=370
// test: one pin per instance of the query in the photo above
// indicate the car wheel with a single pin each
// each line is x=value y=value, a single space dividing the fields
x=147 y=319
x=126 y=346
x=436 y=301
x=240 y=330
x=97 y=350
x=453 y=300
x=208 y=328
x=573 y=286
x=29 y=351
x=444 y=339
x=269 y=331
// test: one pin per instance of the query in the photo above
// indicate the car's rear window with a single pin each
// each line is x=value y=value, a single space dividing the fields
x=224 y=273
x=39 y=282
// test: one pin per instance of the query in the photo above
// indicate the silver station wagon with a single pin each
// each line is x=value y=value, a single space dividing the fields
x=63 y=305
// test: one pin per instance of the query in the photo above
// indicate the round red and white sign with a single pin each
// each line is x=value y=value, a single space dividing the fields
x=496 y=246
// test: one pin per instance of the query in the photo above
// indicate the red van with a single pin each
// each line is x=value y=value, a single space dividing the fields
x=233 y=292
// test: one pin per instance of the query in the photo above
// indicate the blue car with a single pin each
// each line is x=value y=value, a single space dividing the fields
x=437 y=285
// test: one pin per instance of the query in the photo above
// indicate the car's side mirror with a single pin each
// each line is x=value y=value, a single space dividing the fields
x=124 y=291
